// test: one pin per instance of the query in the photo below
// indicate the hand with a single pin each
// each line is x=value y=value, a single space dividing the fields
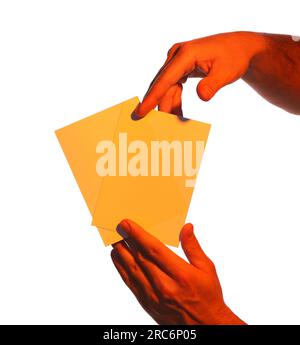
x=219 y=59
x=171 y=290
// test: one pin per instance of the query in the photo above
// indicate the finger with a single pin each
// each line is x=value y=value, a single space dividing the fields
x=174 y=49
x=144 y=275
x=171 y=101
x=151 y=247
x=147 y=286
x=179 y=66
x=176 y=104
x=166 y=103
x=217 y=77
x=191 y=246
x=123 y=273
x=146 y=301
x=132 y=267
x=154 y=274
x=171 y=53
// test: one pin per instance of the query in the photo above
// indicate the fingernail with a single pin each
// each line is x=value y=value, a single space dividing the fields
x=114 y=254
x=182 y=118
x=123 y=228
x=190 y=228
x=135 y=114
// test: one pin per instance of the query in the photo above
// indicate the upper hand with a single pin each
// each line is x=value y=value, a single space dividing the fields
x=219 y=59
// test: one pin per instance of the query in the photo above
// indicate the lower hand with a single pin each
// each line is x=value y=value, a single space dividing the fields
x=171 y=290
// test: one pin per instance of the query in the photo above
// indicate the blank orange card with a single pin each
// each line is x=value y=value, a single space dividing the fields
x=143 y=170
x=78 y=142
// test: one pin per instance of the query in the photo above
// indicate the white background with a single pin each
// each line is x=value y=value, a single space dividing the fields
x=61 y=61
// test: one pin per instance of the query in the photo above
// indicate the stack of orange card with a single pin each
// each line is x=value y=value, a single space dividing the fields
x=143 y=170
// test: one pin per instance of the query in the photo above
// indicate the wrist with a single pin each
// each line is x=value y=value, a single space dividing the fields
x=258 y=47
x=254 y=43
x=225 y=316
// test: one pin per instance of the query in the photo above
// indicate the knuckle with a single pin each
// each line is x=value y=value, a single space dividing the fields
x=182 y=277
x=134 y=267
x=169 y=295
x=174 y=47
x=153 y=251
x=167 y=292
x=188 y=52
x=186 y=46
x=186 y=278
x=140 y=257
x=150 y=299
x=211 y=265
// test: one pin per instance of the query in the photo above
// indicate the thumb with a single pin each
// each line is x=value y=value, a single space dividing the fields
x=191 y=246
x=217 y=77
